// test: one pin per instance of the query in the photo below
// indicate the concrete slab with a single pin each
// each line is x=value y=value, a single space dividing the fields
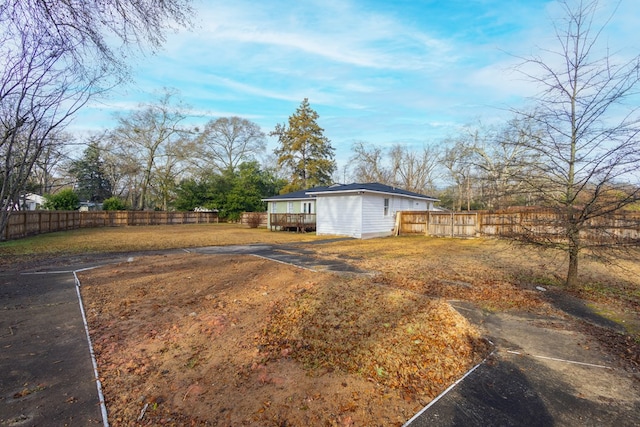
x=542 y=373
x=46 y=372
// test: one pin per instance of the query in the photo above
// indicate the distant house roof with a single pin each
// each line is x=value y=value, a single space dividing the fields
x=372 y=187
x=295 y=195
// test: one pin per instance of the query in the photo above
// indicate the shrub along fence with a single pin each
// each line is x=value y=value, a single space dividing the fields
x=29 y=223
x=541 y=223
x=254 y=219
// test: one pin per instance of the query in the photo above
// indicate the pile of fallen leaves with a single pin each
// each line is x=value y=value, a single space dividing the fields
x=395 y=337
x=485 y=288
x=626 y=347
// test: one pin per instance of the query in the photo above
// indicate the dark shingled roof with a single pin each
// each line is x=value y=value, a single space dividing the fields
x=302 y=194
x=374 y=187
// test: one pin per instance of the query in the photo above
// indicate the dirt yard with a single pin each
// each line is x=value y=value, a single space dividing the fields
x=238 y=340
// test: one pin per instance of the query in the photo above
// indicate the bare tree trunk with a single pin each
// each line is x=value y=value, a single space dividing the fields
x=468 y=193
x=572 y=272
x=146 y=181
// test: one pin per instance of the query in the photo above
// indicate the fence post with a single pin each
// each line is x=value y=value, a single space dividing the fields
x=452 y=220
x=477 y=224
x=426 y=225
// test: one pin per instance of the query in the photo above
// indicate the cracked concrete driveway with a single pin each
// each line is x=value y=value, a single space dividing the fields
x=542 y=373
x=292 y=255
x=46 y=371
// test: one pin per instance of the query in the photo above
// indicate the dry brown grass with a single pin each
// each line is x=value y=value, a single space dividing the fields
x=439 y=266
x=144 y=238
x=495 y=273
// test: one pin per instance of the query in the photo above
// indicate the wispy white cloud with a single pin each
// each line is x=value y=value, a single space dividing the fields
x=249 y=89
x=214 y=114
x=342 y=33
x=378 y=71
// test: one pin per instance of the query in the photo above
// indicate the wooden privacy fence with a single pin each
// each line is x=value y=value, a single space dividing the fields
x=540 y=223
x=29 y=223
x=450 y=224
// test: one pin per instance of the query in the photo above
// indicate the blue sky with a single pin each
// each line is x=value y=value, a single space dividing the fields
x=382 y=72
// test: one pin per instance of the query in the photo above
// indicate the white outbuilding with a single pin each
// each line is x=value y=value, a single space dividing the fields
x=356 y=210
x=364 y=210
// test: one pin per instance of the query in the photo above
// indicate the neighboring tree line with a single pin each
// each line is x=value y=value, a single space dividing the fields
x=153 y=160
x=480 y=168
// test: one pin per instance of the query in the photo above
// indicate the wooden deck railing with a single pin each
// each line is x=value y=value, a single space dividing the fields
x=301 y=222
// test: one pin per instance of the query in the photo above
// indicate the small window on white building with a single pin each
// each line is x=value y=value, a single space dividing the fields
x=274 y=207
x=289 y=207
x=386 y=207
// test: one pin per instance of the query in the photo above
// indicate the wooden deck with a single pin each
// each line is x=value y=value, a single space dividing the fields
x=288 y=221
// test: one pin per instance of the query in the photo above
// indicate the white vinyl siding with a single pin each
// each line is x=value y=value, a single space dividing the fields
x=362 y=215
x=374 y=221
x=405 y=204
x=339 y=215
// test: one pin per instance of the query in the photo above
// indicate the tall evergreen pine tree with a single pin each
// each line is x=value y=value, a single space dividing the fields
x=304 y=150
x=91 y=182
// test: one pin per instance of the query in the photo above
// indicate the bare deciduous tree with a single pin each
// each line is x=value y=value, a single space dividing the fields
x=398 y=166
x=499 y=158
x=122 y=170
x=369 y=164
x=50 y=163
x=587 y=142
x=152 y=137
x=457 y=158
x=414 y=170
x=55 y=56
x=170 y=168
x=228 y=141
x=37 y=98
x=98 y=30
